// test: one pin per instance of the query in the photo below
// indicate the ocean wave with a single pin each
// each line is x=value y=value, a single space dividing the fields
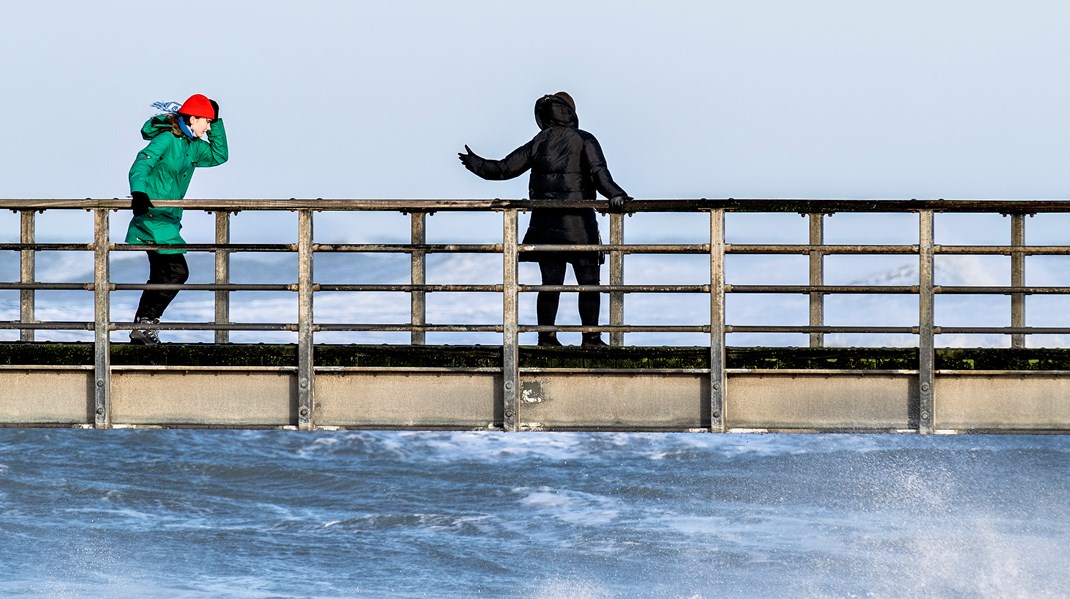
x=570 y=506
x=189 y=513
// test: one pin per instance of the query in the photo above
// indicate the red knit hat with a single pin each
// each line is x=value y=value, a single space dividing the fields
x=197 y=105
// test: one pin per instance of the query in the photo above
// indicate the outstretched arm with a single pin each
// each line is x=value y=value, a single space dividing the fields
x=515 y=164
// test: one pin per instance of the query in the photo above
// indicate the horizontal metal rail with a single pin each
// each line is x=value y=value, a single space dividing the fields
x=1002 y=330
x=979 y=290
x=204 y=286
x=440 y=328
x=628 y=249
x=1004 y=250
x=42 y=247
x=54 y=325
x=620 y=288
x=669 y=205
x=206 y=247
x=49 y=286
x=645 y=328
x=497 y=288
x=409 y=288
x=825 y=289
x=818 y=329
x=204 y=326
x=805 y=249
x=865 y=250
x=398 y=248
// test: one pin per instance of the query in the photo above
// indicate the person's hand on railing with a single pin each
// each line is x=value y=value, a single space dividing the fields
x=618 y=204
x=140 y=203
x=469 y=159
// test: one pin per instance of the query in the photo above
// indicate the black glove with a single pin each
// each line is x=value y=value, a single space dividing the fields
x=215 y=107
x=469 y=159
x=139 y=201
x=617 y=204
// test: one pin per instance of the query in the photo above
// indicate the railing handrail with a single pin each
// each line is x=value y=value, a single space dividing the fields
x=418 y=209
x=801 y=206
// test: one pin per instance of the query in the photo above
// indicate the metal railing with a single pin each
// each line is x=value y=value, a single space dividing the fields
x=305 y=325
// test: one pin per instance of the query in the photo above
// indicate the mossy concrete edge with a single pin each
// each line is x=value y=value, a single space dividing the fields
x=478 y=356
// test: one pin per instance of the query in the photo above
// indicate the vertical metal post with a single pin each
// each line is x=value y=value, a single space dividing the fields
x=222 y=275
x=925 y=329
x=510 y=325
x=616 y=277
x=305 y=374
x=1017 y=278
x=27 y=268
x=817 y=277
x=419 y=276
x=718 y=379
x=102 y=321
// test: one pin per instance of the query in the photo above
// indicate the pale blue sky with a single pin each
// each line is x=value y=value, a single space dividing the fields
x=825 y=98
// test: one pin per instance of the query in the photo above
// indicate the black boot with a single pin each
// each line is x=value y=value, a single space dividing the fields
x=548 y=340
x=145 y=336
x=593 y=340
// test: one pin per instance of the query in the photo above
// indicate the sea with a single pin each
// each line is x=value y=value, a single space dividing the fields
x=262 y=514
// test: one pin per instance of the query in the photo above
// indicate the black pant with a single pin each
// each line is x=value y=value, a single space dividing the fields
x=167 y=269
x=553 y=273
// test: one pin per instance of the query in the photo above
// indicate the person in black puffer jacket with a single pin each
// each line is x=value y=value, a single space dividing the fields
x=566 y=163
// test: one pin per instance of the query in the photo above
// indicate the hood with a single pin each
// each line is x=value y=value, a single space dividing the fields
x=155 y=126
x=554 y=111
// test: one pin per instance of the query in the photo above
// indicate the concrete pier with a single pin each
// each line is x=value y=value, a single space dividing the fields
x=611 y=389
x=716 y=387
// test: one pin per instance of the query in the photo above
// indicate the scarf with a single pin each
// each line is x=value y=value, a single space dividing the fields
x=172 y=108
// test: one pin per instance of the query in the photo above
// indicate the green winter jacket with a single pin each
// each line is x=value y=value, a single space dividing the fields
x=163 y=171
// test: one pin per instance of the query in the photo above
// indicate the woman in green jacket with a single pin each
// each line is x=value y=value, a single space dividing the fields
x=161 y=173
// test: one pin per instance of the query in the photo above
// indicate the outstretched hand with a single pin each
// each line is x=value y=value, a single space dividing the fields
x=468 y=159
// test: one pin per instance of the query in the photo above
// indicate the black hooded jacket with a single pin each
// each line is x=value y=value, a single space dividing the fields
x=566 y=163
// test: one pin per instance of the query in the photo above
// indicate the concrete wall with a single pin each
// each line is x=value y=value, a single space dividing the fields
x=563 y=399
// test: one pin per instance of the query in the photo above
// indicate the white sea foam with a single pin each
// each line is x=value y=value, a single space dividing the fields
x=485 y=446
x=570 y=506
x=568 y=588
